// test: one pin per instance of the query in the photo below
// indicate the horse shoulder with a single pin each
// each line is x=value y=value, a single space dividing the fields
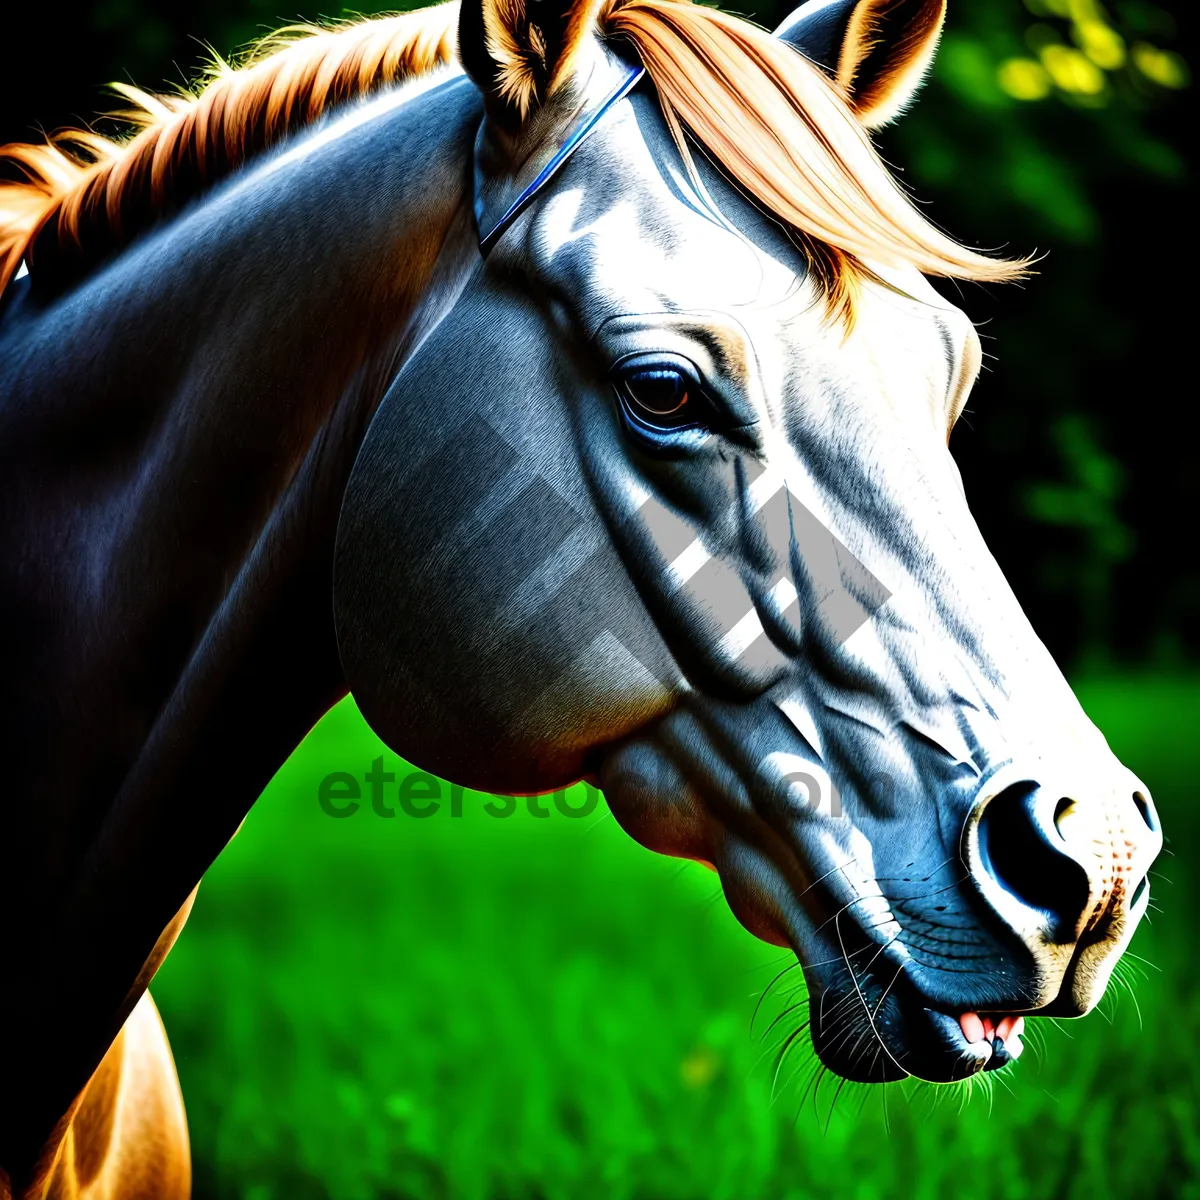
x=125 y=1137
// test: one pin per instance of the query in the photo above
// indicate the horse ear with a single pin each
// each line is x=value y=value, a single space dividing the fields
x=876 y=50
x=519 y=52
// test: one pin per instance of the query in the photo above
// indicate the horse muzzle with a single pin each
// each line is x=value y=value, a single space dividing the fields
x=1063 y=864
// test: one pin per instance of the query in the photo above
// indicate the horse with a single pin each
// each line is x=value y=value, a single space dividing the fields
x=569 y=387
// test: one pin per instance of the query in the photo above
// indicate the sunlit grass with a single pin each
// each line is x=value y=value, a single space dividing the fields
x=481 y=1007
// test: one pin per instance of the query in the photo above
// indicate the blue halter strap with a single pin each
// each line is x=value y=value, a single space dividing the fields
x=578 y=136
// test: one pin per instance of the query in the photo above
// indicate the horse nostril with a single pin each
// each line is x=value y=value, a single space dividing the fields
x=1024 y=856
x=1145 y=806
x=1063 y=811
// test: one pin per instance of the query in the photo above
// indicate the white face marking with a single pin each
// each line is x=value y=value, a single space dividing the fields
x=639 y=245
x=850 y=427
x=750 y=628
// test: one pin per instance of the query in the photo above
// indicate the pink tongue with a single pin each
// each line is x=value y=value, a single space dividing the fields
x=981 y=1029
x=972 y=1027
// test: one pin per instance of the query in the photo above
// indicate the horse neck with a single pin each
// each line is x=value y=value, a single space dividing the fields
x=177 y=433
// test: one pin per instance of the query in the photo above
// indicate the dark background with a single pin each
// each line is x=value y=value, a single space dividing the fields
x=1077 y=448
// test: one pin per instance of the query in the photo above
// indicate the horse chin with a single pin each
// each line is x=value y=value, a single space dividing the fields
x=900 y=1036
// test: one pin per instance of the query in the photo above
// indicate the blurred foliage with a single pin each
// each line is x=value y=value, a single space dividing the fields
x=1062 y=127
x=1078 y=56
x=1085 y=502
x=1079 y=49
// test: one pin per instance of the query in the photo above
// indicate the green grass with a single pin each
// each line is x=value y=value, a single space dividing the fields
x=481 y=1007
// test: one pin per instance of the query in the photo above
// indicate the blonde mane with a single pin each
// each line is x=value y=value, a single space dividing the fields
x=83 y=192
x=773 y=122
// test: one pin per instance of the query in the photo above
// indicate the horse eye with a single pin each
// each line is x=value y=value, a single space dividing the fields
x=657 y=394
x=664 y=408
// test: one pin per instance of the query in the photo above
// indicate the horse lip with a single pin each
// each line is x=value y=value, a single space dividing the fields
x=922 y=1040
x=957 y=1057
x=936 y=1049
x=918 y=1041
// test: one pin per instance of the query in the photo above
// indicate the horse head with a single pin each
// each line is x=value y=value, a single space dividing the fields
x=666 y=501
